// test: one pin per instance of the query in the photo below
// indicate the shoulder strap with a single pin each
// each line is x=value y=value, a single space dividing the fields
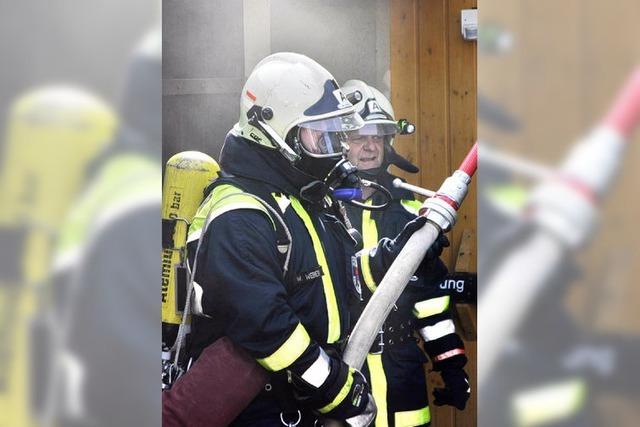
x=225 y=195
x=229 y=194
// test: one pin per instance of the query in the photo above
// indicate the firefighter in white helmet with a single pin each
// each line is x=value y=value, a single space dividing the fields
x=394 y=365
x=273 y=255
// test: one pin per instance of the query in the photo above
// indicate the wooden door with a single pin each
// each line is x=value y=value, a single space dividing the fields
x=433 y=84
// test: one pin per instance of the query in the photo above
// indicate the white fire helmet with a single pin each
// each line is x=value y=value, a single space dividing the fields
x=373 y=107
x=293 y=104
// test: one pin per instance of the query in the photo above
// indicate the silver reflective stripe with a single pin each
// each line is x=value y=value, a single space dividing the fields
x=197 y=299
x=439 y=330
x=318 y=372
x=67 y=259
x=283 y=202
x=194 y=236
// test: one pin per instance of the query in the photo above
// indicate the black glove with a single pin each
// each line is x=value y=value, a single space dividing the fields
x=431 y=268
x=330 y=400
x=383 y=255
x=436 y=248
x=456 y=389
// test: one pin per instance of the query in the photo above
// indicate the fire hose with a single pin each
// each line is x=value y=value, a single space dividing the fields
x=563 y=207
x=441 y=213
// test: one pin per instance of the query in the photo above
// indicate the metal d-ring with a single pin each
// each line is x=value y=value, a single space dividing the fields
x=287 y=424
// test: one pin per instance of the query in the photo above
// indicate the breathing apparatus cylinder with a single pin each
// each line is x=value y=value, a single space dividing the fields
x=54 y=133
x=187 y=174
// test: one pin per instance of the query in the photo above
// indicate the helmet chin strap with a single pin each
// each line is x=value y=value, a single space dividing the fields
x=314 y=192
x=253 y=117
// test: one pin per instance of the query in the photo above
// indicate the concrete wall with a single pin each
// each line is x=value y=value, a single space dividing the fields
x=210 y=46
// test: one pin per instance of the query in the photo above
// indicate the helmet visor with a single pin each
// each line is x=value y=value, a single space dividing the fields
x=328 y=137
x=375 y=129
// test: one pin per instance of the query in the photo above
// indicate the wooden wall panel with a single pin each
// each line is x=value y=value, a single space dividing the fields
x=433 y=123
x=462 y=105
x=405 y=75
x=433 y=83
x=462 y=65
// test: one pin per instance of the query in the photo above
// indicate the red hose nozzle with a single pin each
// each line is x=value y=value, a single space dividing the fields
x=470 y=162
x=624 y=115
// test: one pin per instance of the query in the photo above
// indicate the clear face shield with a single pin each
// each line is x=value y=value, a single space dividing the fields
x=327 y=138
x=325 y=143
x=385 y=131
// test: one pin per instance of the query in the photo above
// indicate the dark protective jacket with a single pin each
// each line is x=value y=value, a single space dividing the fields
x=105 y=316
x=241 y=289
x=394 y=366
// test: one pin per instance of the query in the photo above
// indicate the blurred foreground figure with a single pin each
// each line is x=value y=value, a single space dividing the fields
x=395 y=364
x=551 y=368
x=54 y=134
x=106 y=271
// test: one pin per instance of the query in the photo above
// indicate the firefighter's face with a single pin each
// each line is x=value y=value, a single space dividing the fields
x=366 y=151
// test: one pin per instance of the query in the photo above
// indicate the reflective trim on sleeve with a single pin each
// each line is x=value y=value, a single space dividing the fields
x=551 y=403
x=318 y=372
x=439 y=330
x=344 y=391
x=329 y=293
x=378 y=388
x=412 y=418
x=289 y=351
x=448 y=354
x=365 y=269
x=431 y=306
x=411 y=206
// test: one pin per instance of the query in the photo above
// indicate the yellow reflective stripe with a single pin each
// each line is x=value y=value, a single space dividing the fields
x=550 y=403
x=369 y=240
x=226 y=194
x=378 y=388
x=511 y=197
x=224 y=198
x=412 y=206
x=288 y=352
x=431 y=306
x=344 y=391
x=369 y=228
x=412 y=418
x=329 y=294
x=366 y=271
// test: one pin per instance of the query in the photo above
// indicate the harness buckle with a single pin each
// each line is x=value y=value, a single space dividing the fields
x=379 y=344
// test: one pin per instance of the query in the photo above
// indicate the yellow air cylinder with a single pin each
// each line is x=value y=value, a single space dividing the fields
x=187 y=174
x=54 y=134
